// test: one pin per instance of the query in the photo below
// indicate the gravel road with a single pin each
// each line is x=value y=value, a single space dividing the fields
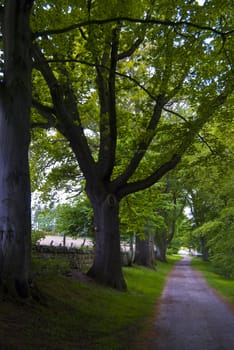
x=190 y=316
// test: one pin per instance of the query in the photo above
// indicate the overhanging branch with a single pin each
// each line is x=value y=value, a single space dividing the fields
x=195 y=127
x=133 y=187
x=40 y=125
x=188 y=123
x=131 y=50
x=143 y=144
x=90 y=64
x=67 y=116
x=46 y=112
x=131 y=20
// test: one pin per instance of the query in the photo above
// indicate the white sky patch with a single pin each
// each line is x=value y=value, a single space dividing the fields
x=89 y=133
x=201 y=2
x=188 y=213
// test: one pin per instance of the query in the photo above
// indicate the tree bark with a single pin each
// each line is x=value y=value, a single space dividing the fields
x=106 y=268
x=204 y=249
x=145 y=255
x=15 y=104
x=161 y=252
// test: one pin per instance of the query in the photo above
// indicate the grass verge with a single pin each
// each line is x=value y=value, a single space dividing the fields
x=222 y=285
x=81 y=315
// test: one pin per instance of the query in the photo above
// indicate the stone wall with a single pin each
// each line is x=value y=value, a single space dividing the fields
x=80 y=259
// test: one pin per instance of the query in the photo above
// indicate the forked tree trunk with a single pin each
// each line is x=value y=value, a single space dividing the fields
x=15 y=103
x=106 y=267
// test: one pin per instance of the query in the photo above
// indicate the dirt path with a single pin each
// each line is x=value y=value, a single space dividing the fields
x=190 y=316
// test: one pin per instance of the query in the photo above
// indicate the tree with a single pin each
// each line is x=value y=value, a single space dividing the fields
x=53 y=168
x=170 y=208
x=126 y=79
x=153 y=216
x=209 y=187
x=221 y=242
x=15 y=104
x=75 y=219
x=216 y=227
x=45 y=219
x=145 y=252
x=212 y=209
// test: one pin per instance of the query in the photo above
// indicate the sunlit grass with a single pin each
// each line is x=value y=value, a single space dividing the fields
x=223 y=285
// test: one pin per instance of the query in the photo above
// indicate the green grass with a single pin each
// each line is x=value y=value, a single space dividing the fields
x=79 y=315
x=222 y=285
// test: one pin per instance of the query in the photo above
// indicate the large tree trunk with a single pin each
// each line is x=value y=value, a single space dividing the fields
x=162 y=252
x=14 y=200
x=204 y=249
x=161 y=245
x=106 y=268
x=15 y=103
x=145 y=255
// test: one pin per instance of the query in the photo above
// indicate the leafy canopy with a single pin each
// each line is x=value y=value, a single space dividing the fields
x=144 y=82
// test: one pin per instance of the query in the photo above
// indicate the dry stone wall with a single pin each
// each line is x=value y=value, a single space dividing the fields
x=81 y=259
x=78 y=258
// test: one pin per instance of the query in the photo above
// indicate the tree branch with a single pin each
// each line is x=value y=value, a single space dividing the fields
x=154 y=98
x=67 y=117
x=136 y=44
x=203 y=116
x=143 y=144
x=188 y=123
x=108 y=128
x=176 y=114
x=131 y=50
x=132 y=20
x=46 y=112
x=150 y=131
x=112 y=103
x=40 y=125
x=133 y=187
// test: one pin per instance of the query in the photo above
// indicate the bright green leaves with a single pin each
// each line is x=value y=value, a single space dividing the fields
x=208 y=178
x=75 y=219
x=103 y=9
x=57 y=14
x=220 y=240
x=53 y=166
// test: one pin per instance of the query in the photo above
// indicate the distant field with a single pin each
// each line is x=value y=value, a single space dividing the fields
x=58 y=240
x=72 y=242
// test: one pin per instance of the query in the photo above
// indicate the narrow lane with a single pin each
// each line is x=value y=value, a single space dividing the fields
x=190 y=315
